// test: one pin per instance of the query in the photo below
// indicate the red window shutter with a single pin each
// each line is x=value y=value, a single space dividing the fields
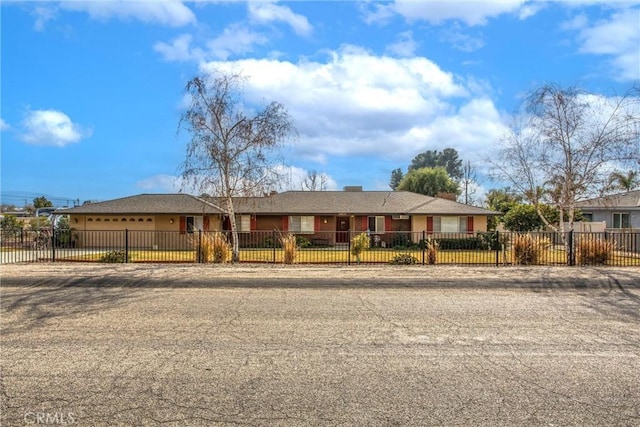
x=365 y=223
x=316 y=223
x=285 y=223
x=388 y=224
x=253 y=223
x=183 y=224
x=429 y=224
x=205 y=223
x=470 y=225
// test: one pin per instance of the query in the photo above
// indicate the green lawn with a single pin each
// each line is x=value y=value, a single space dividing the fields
x=337 y=256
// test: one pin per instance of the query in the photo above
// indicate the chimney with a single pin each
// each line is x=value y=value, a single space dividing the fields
x=352 y=188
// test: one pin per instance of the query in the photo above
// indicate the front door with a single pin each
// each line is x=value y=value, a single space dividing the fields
x=342 y=229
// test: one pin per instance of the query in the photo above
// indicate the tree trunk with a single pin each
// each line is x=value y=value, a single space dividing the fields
x=235 y=257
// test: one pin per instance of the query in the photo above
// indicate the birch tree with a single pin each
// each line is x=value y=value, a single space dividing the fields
x=565 y=144
x=232 y=147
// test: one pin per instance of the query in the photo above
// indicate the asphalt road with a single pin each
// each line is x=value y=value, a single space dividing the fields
x=79 y=351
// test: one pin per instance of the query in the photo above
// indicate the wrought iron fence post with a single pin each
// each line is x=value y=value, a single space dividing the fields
x=498 y=247
x=199 y=246
x=53 y=244
x=423 y=243
x=126 y=245
x=571 y=260
x=348 y=247
x=273 y=243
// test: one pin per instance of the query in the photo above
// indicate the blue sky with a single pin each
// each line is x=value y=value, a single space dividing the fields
x=92 y=91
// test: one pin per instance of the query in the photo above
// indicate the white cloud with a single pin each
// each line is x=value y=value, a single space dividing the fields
x=171 y=13
x=476 y=12
x=461 y=41
x=4 y=125
x=179 y=49
x=235 y=39
x=617 y=38
x=160 y=184
x=405 y=46
x=360 y=104
x=266 y=12
x=43 y=15
x=51 y=127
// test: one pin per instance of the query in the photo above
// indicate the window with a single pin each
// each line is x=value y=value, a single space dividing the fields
x=587 y=217
x=450 y=224
x=376 y=224
x=301 y=224
x=190 y=224
x=243 y=223
x=620 y=220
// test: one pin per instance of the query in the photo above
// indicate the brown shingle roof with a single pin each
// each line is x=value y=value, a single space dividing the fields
x=354 y=202
x=184 y=204
x=290 y=202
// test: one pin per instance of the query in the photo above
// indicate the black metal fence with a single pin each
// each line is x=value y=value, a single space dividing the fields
x=492 y=248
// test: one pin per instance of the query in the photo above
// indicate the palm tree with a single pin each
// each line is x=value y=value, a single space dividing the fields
x=620 y=181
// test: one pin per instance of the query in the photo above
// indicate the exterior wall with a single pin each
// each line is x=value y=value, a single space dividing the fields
x=607 y=216
x=144 y=231
x=268 y=222
x=418 y=225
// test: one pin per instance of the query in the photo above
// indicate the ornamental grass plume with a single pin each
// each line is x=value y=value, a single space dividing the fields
x=528 y=249
x=289 y=246
x=214 y=247
x=594 y=251
x=432 y=247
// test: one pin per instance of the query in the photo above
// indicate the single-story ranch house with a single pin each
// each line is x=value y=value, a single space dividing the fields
x=618 y=211
x=327 y=217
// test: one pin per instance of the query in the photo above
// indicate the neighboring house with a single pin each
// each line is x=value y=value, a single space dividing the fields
x=619 y=211
x=329 y=217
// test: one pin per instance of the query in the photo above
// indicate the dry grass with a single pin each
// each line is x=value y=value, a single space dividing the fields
x=214 y=247
x=528 y=249
x=594 y=252
x=289 y=246
x=432 y=251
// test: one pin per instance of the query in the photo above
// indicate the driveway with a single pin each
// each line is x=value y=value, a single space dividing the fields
x=272 y=345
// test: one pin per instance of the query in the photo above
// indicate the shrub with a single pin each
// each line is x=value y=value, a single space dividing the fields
x=432 y=247
x=290 y=246
x=114 y=257
x=359 y=244
x=462 y=243
x=594 y=252
x=214 y=247
x=303 y=242
x=404 y=259
x=401 y=241
x=528 y=249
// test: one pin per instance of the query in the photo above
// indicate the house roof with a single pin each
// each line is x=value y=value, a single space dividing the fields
x=184 y=204
x=628 y=200
x=353 y=203
x=287 y=203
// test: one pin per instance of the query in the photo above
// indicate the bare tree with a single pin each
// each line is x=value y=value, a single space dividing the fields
x=469 y=183
x=230 y=152
x=565 y=144
x=315 y=181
